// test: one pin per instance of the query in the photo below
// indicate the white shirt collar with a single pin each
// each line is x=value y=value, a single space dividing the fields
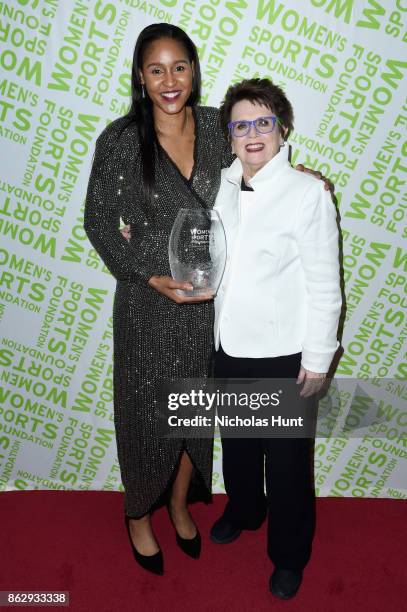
x=234 y=173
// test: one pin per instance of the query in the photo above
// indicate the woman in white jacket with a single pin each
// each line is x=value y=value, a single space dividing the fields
x=276 y=316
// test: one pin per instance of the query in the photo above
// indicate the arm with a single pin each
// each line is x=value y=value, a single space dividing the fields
x=102 y=213
x=317 y=235
x=102 y=217
x=227 y=156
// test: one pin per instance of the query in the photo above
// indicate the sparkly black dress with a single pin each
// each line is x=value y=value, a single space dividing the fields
x=154 y=338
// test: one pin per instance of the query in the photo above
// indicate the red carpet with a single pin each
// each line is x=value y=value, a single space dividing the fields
x=76 y=541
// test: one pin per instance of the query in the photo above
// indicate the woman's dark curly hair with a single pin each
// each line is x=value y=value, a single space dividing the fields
x=262 y=91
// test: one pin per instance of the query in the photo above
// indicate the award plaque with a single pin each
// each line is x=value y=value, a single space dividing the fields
x=197 y=250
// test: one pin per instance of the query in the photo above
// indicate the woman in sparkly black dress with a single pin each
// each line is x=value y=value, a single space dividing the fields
x=165 y=155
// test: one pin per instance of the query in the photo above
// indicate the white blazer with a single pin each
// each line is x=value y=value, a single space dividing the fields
x=280 y=293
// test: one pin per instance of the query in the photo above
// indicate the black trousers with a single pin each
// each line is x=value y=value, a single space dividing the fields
x=286 y=463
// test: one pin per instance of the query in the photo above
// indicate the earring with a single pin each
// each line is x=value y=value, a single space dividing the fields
x=143 y=93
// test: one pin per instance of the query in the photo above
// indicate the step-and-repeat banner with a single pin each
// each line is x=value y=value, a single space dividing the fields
x=64 y=74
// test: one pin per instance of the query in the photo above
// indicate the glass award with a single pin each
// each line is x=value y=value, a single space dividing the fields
x=197 y=250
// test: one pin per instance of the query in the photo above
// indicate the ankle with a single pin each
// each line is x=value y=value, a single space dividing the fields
x=141 y=523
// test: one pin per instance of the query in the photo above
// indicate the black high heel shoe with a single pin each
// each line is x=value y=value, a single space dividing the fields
x=190 y=546
x=151 y=563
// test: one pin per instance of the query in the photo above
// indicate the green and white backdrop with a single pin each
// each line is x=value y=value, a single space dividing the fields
x=65 y=74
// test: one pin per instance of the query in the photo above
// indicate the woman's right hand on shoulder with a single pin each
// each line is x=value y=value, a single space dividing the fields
x=167 y=286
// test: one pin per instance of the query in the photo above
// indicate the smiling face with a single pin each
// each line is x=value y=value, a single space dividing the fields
x=167 y=75
x=254 y=150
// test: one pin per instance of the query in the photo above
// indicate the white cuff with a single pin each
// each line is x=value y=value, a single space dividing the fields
x=318 y=362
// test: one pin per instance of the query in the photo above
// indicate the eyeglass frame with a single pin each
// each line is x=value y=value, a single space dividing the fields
x=252 y=122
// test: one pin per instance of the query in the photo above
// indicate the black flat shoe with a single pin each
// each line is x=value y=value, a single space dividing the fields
x=223 y=532
x=190 y=546
x=284 y=583
x=151 y=563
